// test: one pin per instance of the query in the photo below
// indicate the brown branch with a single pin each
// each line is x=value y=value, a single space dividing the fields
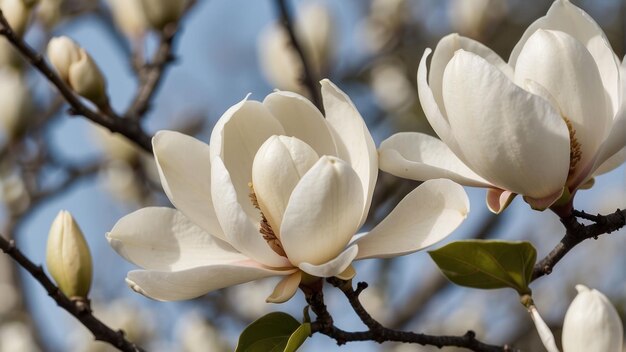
x=577 y=233
x=324 y=324
x=79 y=310
x=130 y=129
x=308 y=77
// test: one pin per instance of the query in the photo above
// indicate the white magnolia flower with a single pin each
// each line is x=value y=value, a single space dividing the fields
x=280 y=63
x=543 y=124
x=473 y=17
x=592 y=323
x=129 y=16
x=280 y=191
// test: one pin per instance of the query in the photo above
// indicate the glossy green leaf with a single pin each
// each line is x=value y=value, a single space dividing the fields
x=487 y=264
x=298 y=337
x=269 y=333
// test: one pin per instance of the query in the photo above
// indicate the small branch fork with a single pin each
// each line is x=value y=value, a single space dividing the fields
x=576 y=233
x=377 y=332
x=80 y=310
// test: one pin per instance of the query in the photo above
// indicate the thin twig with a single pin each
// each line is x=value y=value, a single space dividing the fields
x=324 y=324
x=79 y=310
x=130 y=129
x=308 y=77
x=577 y=233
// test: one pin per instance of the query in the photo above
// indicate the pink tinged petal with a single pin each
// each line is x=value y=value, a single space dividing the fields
x=236 y=137
x=301 y=119
x=565 y=17
x=278 y=166
x=563 y=66
x=286 y=288
x=323 y=213
x=515 y=140
x=348 y=125
x=164 y=239
x=424 y=217
x=498 y=200
x=185 y=171
x=241 y=231
x=420 y=157
x=334 y=267
x=195 y=282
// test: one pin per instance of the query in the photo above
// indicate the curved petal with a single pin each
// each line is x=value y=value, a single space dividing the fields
x=565 y=17
x=515 y=140
x=348 y=125
x=236 y=137
x=286 y=288
x=323 y=213
x=611 y=163
x=420 y=157
x=334 y=267
x=424 y=217
x=185 y=171
x=564 y=67
x=195 y=282
x=498 y=199
x=278 y=166
x=615 y=141
x=241 y=232
x=164 y=239
x=301 y=119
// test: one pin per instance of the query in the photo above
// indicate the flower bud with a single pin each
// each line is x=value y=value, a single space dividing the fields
x=160 y=13
x=68 y=258
x=129 y=16
x=14 y=104
x=87 y=80
x=592 y=323
x=63 y=52
x=17 y=13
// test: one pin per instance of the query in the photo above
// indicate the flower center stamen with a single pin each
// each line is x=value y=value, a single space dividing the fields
x=265 y=228
x=575 y=152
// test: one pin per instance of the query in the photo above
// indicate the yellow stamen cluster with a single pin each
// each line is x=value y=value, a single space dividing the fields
x=575 y=152
x=265 y=228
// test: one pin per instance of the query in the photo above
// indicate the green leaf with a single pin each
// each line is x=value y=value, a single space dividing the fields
x=487 y=264
x=269 y=333
x=298 y=337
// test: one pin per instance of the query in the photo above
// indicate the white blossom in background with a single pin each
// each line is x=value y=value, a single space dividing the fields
x=248 y=299
x=194 y=333
x=383 y=23
x=542 y=125
x=49 y=12
x=8 y=292
x=280 y=63
x=13 y=192
x=592 y=323
x=391 y=87
x=160 y=13
x=15 y=102
x=17 y=13
x=280 y=191
x=473 y=17
x=129 y=16
x=16 y=336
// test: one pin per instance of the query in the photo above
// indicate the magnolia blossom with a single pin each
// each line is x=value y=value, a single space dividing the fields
x=280 y=191
x=129 y=16
x=473 y=17
x=542 y=125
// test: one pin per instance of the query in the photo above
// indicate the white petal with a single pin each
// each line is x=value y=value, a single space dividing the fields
x=301 y=119
x=515 y=140
x=195 y=282
x=185 y=171
x=560 y=64
x=592 y=323
x=323 y=213
x=241 y=232
x=278 y=166
x=498 y=199
x=286 y=288
x=420 y=157
x=164 y=239
x=236 y=137
x=424 y=217
x=347 y=123
x=566 y=17
x=334 y=267
x=611 y=163
x=615 y=141
x=547 y=338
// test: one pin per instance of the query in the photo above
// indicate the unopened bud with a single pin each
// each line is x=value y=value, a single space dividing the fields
x=17 y=13
x=129 y=16
x=68 y=257
x=160 y=13
x=63 y=52
x=592 y=323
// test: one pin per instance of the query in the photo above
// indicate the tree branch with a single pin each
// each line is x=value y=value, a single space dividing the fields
x=130 y=129
x=308 y=77
x=79 y=310
x=324 y=324
x=576 y=233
